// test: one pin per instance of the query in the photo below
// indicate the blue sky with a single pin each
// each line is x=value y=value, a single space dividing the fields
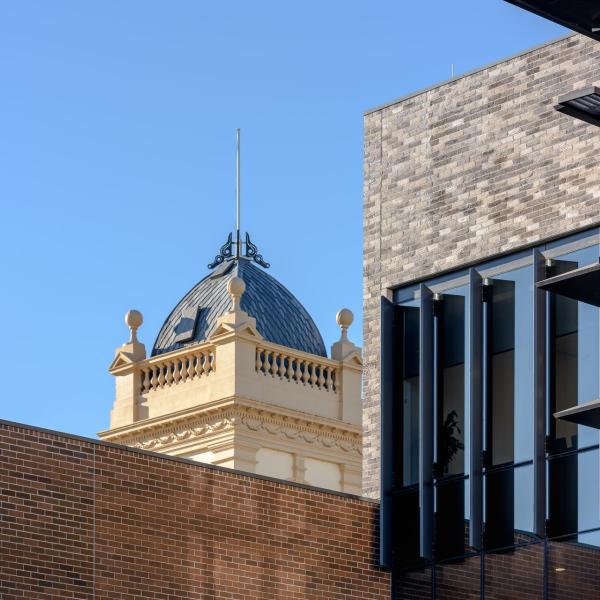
x=117 y=164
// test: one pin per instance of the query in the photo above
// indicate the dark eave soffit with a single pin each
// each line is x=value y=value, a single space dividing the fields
x=583 y=414
x=581 y=284
x=582 y=16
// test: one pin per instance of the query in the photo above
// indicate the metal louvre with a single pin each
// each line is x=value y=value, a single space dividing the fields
x=426 y=424
x=539 y=396
x=582 y=104
x=476 y=410
x=387 y=467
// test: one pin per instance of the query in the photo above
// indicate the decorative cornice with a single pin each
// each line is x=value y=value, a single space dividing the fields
x=252 y=419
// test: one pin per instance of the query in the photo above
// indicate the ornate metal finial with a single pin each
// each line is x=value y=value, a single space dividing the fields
x=252 y=252
x=225 y=252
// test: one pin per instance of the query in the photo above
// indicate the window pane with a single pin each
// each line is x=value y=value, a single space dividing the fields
x=574 y=356
x=459 y=580
x=406 y=528
x=450 y=523
x=413 y=585
x=562 y=495
x=451 y=385
x=564 y=367
x=499 y=508
x=410 y=395
x=516 y=574
x=573 y=571
x=524 y=498
x=500 y=371
x=588 y=499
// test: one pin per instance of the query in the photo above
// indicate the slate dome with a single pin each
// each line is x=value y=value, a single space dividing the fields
x=280 y=318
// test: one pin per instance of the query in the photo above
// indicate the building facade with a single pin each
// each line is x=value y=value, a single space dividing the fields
x=482 y=248
x=477 y=193
x=239 y=377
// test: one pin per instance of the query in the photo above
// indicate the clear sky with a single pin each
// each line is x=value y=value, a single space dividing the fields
x=117 y=161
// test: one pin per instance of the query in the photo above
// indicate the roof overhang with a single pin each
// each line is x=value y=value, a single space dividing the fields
x=582 y=16
x=582 y=104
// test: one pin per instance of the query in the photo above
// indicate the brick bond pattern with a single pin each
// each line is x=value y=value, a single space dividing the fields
x=475 y=167
x=80 y=519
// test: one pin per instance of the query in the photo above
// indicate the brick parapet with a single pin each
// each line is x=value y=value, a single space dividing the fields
x=86 y=519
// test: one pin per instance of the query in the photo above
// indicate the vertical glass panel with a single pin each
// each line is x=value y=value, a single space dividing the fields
x=523 y=481
x=450 y=530
x=588 y=362
x=562 y=495
x=412 y=585
x=409 y=384
x=574 y=329
x=451 y=385
x=460 y=579
x=523 y=363
x=573 y=571
x=499 y=508
x=564 y=367
x=588 y=498
x=515 y=574
x=406 y=528
x=501 y=373
x=450 y=425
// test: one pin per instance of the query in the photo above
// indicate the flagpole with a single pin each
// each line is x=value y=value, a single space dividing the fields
x=238 y=244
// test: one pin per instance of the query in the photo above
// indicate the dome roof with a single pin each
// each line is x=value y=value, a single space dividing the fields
x=280 y=318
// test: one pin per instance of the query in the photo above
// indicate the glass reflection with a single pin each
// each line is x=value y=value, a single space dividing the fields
x=451 y=385
x=410 y=395
x=520 y=319
x=500 y=372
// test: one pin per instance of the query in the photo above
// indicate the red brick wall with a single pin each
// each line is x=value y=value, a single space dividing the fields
x=80 y=519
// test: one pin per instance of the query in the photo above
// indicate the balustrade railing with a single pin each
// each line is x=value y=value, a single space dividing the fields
x=168 y=370
x=296 y=368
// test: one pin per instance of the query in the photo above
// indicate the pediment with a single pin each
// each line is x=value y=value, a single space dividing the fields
x=121 y=360
x=246 y=327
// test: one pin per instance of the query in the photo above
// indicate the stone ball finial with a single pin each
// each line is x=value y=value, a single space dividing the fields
x=344 y=319
x=133 y=320
x=236 y=287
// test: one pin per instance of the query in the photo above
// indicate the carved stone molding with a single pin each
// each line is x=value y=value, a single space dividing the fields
x=251 y=419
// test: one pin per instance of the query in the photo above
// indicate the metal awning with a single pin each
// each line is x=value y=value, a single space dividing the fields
x=581 y=284
x=582 y=16
x=582 y=104
x=582 y=414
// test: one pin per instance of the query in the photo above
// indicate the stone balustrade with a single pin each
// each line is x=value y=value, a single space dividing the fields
x=249 y=367
x=175 y=368
x=281 y=363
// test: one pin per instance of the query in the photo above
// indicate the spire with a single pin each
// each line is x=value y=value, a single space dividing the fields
x=226 y=251
x=237 y=196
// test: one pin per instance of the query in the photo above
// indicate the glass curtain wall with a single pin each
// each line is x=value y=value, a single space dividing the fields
x=569 y=333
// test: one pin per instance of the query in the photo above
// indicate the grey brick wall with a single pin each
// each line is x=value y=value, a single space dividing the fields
x=471 y=168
